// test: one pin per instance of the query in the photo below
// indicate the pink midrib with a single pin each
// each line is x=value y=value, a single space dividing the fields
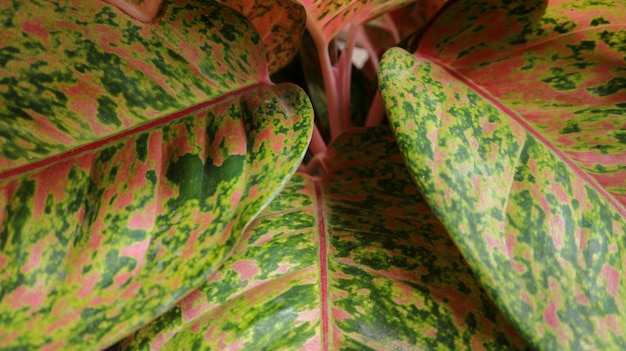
x=135 y=130
x=323 y=258
x=485 y=94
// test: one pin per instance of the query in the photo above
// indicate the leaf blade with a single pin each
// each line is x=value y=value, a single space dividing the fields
x=280 y=25
x=386 y=260
x=101 y=258
x=520 y=212
x=75 y=85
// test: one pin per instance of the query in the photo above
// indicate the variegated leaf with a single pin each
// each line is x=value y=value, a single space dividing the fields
x=95 y=245
x=510 y=116
x=327 y=17
x=76 y=72
x=280 y=23
x=354 y=260
x=129 y=171
x=143 y=10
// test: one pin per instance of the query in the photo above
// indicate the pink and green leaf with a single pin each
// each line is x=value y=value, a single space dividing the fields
x=280 y=23
x=110 y=215
x=83 y=71
x=142 y=10
x=510 y=117
x=326 y=18
x=94 y=246
x=352 y=260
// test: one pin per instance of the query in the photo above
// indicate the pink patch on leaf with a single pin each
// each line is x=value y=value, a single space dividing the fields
x=87 y=287
x=557 y=228
x=34 y=27
x=582 y=299
x=246 y=268
x=3 y=262
x=192 y=305
x=430 y=332
x=236 y=197
x=189 y=249
x=136 y=251
x=612 y=279
x=122 y=278
x=308 y=316
x=34 y=259
x=340 y=314
x=283 y=268
x=24 y=296
x=550 y=315
x=312 y=345
x=253 y=191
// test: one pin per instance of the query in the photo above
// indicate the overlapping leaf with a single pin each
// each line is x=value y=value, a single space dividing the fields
x=129 y=170
x=327 y=17
x=510 y=117
x=414 y=16
x=280 y=23
x=353 y=260
x=143 y=10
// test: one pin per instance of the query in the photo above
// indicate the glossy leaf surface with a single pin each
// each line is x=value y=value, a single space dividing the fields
x=76 y=72
x=96 y=245
x=353 y=260
x=535 y=206
x=567 y=61
x=130 y=171
x=280 y=23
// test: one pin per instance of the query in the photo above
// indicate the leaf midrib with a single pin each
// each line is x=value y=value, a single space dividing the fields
x=528 y=128
x=72 y=153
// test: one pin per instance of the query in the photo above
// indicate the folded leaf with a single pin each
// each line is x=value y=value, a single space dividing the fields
x=113 y=211
x=510 y=116
x=351 y=261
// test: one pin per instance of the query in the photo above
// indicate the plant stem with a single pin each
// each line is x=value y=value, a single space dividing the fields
x=330 y=85
x=317 y=145
x=392 y=28
x=345 y=74
x=314 y=166
x=376 y=113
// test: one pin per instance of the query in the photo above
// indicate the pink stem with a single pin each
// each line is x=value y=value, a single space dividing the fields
x=376 y=115
x=317 y=144
x=332 y=93
x=365 y=43
x=330 y=84
x=314 y=165
x=345 y=74
x=391 y=27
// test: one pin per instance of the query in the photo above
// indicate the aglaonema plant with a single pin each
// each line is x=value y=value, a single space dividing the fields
x=149 y=198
